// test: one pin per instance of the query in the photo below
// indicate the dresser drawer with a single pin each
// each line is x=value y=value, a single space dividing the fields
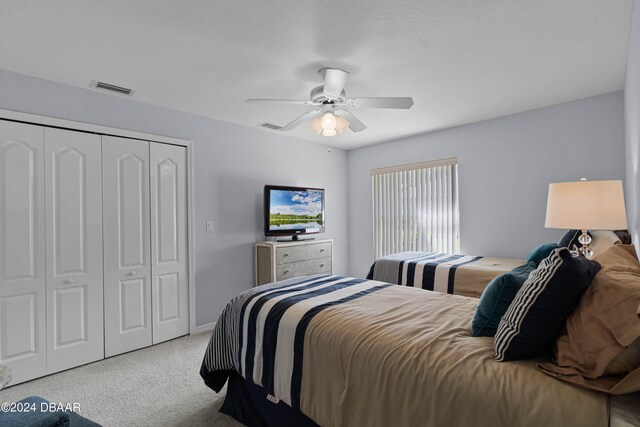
x=303 y=268
x=288 y=254
x=284 y=260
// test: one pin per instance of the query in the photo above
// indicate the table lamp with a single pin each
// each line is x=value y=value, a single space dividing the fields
x=586 y=205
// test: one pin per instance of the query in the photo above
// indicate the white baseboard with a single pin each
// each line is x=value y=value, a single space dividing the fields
x=207 y=327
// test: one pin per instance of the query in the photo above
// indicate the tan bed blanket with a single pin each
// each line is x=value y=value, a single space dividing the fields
x=405 y=357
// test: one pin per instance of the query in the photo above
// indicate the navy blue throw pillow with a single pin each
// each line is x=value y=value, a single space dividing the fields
x=539 y=311
x=496 y=298
x=570 y=239
x=541 y=252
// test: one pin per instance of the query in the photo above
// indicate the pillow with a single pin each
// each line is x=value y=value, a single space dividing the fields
x=496 y=298
x=624 y=236
x=626 y=361
x=603 y=240
x=538 y=312
x=541 y=252
x=605 y=323
x=570 y=239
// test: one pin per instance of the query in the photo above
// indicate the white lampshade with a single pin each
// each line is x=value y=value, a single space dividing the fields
x=341 y=124
x=329 y=122
x=586 y=205
x=316 y=125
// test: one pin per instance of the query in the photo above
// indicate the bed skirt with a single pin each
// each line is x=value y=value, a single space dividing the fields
x=252 y=406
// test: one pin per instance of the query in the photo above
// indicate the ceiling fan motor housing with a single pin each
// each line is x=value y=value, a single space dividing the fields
x=318 y=95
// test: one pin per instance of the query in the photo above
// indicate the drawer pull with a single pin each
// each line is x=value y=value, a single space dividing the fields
x=323 y=250
x=286 y=271
x=321 y=265
x=286 y=254
x=69 y=281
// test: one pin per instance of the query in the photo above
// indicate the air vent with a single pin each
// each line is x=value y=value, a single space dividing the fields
x=270 y=126
x=112 y=88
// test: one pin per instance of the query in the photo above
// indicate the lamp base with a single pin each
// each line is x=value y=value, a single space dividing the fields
x=585 y=239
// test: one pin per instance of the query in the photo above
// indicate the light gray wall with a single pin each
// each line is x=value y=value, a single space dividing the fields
x=632 y=127
x=505 y=167
x=232 y=164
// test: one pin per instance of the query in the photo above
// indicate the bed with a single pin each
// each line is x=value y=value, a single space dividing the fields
x=447 y=273
x=337 y=351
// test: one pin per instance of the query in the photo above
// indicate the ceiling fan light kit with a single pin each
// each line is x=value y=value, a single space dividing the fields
x=329 y=124
x=331 y=116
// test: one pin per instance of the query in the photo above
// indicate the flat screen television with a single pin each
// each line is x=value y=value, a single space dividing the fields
x=291 y=211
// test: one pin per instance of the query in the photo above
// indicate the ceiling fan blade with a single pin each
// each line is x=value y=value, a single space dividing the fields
x=301 y=119
x=279 y=101
x=381 y=102
x=354 y=123
x=334 y=81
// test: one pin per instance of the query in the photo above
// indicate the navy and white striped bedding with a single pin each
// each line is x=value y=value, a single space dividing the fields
x=426 y=270
x=261 y=332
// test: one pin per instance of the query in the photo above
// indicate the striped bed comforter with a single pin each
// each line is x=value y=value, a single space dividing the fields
x=355 y=352
x=261 y=332
x=447 y=273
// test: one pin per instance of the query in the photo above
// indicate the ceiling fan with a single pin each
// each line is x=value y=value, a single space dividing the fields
x=331 y=114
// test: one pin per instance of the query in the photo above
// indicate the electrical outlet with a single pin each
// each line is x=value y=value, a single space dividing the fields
x=209 y=226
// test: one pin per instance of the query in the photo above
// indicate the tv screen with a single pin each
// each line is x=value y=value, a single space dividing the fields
x=293 y=210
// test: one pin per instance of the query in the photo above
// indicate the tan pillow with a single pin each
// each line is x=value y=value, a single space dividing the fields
x=603 y=240
x=604 y=323
x=626 y=361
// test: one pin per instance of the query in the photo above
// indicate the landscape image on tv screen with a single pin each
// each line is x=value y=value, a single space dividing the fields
x=295 y=210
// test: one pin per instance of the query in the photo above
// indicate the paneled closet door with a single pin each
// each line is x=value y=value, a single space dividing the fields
x=127 y=272
x=22 y=251
x=74 y=249
x=170 y=292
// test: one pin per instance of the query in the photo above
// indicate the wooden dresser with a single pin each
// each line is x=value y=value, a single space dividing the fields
x=283 y=260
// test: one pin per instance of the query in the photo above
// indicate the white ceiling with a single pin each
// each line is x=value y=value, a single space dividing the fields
x=461 y=60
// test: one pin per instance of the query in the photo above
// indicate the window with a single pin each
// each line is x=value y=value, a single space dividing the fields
x=415 y=208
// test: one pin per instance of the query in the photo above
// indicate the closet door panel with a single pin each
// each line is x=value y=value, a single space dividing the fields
x=133 y=305
x=127 y=244
x=22 y=250
x=74 y=249
x=169 y=241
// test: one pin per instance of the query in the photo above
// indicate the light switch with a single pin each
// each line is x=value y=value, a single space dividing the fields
x=209 y=226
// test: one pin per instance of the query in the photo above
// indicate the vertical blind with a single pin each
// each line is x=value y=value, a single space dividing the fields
x=415 y=208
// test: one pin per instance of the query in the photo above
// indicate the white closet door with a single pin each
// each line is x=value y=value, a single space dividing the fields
x=74 y=249
x=170 y=294
x=22 y=251
x=127 y=272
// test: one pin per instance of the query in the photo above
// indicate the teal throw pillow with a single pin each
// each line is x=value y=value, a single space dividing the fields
x=541 y=252
x=496 y=298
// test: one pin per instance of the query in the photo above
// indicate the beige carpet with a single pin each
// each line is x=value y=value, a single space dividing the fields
x=155 y=386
